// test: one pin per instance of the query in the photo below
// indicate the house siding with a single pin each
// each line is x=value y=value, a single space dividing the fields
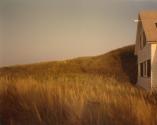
x=143 y=55
x=146 y=31
x=154 y=65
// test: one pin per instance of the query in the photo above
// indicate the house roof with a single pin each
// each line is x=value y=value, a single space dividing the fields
x=149 y=22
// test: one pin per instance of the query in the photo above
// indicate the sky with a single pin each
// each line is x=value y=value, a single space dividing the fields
x=46 y=30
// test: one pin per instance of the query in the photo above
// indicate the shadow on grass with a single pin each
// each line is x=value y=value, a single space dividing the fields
x=129 y=64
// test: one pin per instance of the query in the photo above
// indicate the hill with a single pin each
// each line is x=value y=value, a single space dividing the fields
x=120 y=64
x=83 y=91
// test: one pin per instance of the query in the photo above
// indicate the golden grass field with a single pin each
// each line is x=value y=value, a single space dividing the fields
x=96 y=90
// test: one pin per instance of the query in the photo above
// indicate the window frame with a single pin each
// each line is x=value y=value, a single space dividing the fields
x=145 y=69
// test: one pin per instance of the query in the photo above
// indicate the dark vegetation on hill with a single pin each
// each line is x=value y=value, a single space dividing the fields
x=120 y=64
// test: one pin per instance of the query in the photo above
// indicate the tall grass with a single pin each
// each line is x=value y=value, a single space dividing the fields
x=85 y=100
x=83 y=91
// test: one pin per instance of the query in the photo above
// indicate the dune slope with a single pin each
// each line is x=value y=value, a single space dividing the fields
x=120 y=63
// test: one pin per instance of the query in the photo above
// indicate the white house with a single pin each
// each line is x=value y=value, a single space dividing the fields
x=146 y=49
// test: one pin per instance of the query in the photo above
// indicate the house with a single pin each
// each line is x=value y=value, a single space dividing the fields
x=146 y=49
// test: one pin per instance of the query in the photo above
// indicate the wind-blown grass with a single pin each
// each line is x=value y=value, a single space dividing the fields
x=85 y=91
x=92 y=101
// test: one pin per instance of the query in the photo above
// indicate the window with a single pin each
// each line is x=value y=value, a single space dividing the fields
x=140 y=42
x=145 y=68
x=156 y=24
x=144 y=39
x=148 y=68
x=141 y=69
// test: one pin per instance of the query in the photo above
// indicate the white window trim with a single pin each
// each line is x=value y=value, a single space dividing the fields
x=145 y=68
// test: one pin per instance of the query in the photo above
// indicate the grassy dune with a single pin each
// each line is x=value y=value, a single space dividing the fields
x=120 y=64
x=84 y=91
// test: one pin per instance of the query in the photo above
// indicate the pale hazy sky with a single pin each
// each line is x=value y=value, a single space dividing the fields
x=45 y=30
